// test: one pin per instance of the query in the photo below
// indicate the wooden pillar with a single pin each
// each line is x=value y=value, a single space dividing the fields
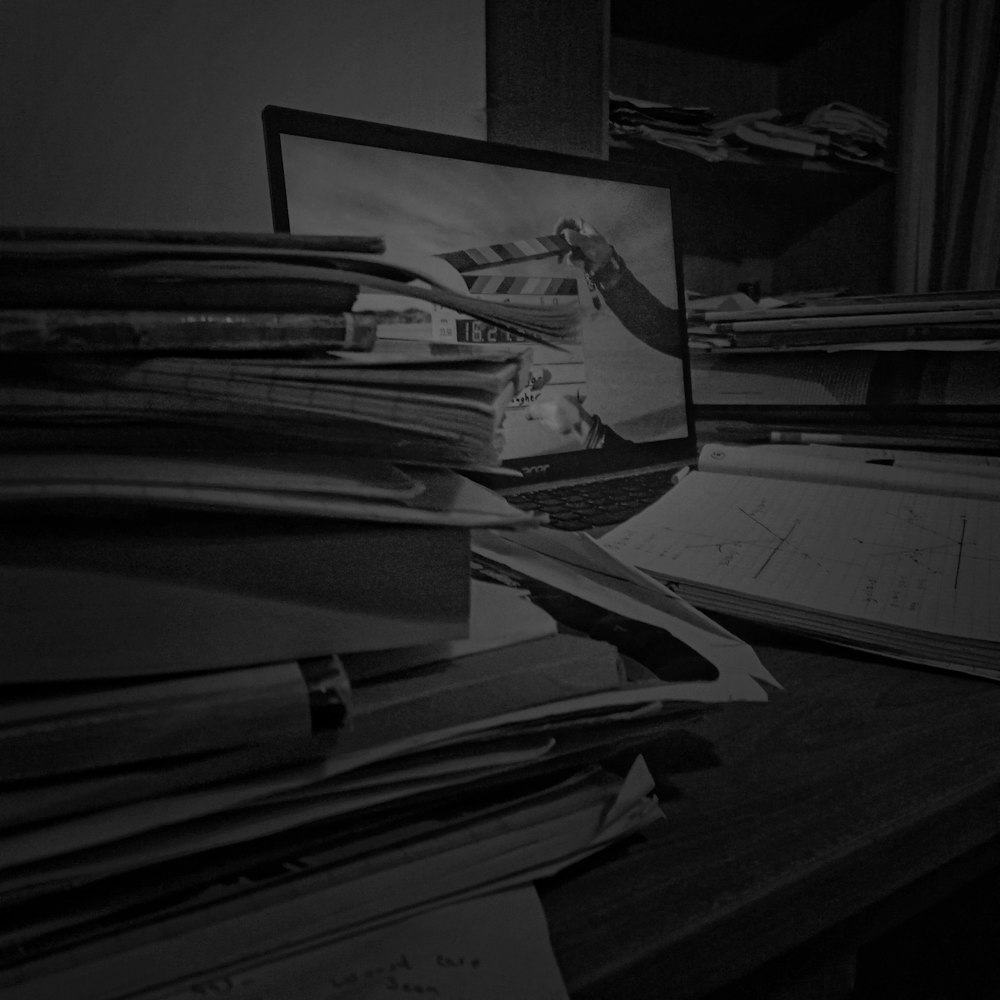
x=547 y=74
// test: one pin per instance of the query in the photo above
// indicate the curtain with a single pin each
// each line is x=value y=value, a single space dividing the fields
x=948 y=222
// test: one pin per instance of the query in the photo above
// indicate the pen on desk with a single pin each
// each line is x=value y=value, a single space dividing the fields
x=750 y=435
x=679 y=474
x=819 y=437
x=867 y=440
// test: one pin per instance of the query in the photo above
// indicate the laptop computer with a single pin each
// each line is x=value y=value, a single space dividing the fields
x=611 y=407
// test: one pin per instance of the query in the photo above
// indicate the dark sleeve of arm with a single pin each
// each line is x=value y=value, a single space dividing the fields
x=643 y=314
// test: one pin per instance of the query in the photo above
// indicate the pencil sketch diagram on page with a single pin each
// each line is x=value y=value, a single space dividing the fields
x=920 y=561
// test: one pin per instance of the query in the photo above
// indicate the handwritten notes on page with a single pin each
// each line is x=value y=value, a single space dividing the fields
x=493 y=947
x=909 y=574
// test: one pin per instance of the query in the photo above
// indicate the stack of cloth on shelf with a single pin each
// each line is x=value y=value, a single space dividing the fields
x=836 y=131
x=639 y=123
x=852 y=134
x=261 y=724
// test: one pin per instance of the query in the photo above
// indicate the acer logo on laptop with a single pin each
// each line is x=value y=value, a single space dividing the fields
x=535 y=470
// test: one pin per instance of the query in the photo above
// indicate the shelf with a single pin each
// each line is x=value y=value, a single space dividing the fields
x=781 y=165
x=744 y=206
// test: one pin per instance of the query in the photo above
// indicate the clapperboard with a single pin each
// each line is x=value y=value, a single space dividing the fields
x=553 y=371
x=500 y=254
x=442 y=325
x=501 y=286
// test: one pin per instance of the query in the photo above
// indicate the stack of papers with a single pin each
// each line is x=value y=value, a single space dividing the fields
x=162 y=290
x=444 y=409
x=246 y=913
x=382 y=843
x=931 y=321
x=258 y=714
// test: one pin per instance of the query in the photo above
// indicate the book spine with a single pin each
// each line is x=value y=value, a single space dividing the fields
x=873 y=334
x=866 y=306
x=149 y=331
x=161 y=238
x=38 y=287
x=985 y=315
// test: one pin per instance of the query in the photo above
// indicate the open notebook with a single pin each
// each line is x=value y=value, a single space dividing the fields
x=613 y=400
x=900 y=559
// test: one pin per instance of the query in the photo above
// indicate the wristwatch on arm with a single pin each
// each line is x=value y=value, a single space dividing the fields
x=607 y=275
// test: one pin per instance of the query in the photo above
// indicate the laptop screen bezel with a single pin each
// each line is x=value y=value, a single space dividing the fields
x=283 y=121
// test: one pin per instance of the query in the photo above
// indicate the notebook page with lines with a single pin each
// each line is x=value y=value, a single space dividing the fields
x=519 y=226
x=877 y=566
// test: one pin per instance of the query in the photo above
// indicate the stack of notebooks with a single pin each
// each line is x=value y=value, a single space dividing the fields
x=261 y=725
x=189 y=340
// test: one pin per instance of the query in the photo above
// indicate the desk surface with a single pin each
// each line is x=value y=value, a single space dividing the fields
x=854 y=787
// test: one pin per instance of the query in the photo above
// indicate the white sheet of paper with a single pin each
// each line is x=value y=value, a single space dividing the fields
x=581 y=566
x=493 y=947
x=365 y=894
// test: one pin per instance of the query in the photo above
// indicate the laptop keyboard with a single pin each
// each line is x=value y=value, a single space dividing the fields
x=577 y=506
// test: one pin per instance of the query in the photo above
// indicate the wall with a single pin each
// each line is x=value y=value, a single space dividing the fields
x=859 y=62
x=146 y=113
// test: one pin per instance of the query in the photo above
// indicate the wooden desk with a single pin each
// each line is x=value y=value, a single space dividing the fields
x=861 y=793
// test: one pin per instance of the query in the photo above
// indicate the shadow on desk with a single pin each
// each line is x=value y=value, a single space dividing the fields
x=848 y=824
x=947 y=952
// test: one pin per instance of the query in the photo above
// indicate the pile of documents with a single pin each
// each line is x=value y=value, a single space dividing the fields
x=910 y=366
x=260 y=722
x=449 y=777
x=963 y=319
x=852 y=134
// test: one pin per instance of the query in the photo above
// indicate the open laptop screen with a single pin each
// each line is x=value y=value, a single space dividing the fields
x=618 y=395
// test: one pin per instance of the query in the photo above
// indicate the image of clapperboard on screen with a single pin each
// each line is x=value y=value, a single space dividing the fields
x=525 y=272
